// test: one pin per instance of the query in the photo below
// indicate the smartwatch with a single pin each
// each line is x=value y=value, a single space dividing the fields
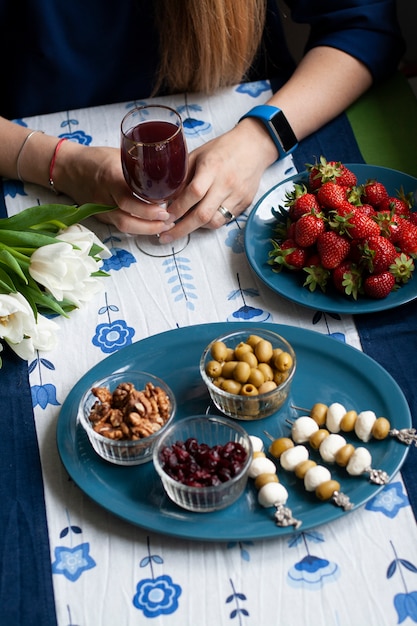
x=277 y=126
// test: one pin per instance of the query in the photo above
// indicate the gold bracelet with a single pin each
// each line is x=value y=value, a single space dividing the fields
x=26 y=139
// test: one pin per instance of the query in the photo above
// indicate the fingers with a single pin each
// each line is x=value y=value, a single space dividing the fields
x=134 y=225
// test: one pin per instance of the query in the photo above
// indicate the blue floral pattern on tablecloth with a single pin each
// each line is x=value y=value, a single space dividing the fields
x=157 y=595
x=311 y=572
x=404 y=603
x=389 y=500
x=72 y=561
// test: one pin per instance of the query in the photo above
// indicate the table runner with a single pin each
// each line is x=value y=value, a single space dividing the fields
x=26 y=592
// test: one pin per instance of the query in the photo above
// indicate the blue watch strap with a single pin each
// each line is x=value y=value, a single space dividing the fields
x=277 y=125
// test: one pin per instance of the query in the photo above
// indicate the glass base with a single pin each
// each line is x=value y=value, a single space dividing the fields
x=151 y=245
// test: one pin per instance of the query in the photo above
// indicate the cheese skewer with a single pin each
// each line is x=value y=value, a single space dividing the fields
x=365 y=424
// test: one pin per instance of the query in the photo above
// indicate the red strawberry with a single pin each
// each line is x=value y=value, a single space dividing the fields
x=413 y=218
x=360 y=226
x=355 y=224
x=330 y=171
x=332 y=249
x=389 y=224
x=300 y=201
x=347 y=279
x=287 y=255
x=378 y=254
x=331 y=196
x=401 y=204
x=374 y=193
x=368 y=209
x=379 y=285
x=407 y=237
x=307 y=229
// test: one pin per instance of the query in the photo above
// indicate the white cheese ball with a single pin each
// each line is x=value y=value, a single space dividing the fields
x=330 y=446
x=303 y=428
x=272 y=494
x=257 y=443
x=292 y=457
x=335 y=413
x=315 y=476
x=363 y=425
x=261 y=465
x=359 y=462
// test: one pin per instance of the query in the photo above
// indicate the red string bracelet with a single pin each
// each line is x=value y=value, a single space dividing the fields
x=52 y=165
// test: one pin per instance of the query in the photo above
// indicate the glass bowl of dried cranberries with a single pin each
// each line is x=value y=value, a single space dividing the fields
x=203 y=462
x=249 y=372
x=124 y=415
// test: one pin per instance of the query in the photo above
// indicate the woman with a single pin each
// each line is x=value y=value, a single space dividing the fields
x=86 y=53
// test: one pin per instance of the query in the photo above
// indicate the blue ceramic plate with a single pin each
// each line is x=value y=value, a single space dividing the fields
x=327 y=371
x=260 y=230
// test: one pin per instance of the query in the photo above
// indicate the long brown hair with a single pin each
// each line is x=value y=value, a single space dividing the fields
x=207 y=44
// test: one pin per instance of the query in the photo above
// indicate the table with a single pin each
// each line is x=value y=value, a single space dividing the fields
x=359 y=569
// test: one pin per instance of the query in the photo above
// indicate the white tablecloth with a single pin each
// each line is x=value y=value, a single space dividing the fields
x=109 y=572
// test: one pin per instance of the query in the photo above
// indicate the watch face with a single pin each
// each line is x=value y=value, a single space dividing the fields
x=283 y=131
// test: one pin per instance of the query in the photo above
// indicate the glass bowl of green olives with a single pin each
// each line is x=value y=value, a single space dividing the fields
x=249 y=372
x=203 y=462
x=124 y=414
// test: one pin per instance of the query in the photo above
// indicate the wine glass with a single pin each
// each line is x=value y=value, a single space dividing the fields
x=154 y=161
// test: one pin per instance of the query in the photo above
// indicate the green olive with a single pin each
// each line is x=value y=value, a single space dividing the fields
x=347 y=423
x=241 y=372
x=317 y=437
x=241 y=349
x=263 y=351
x=266 y=370
x=230 y=355
x=249 y=358
x=343 y=454
x=256 y=377
x=280 y=377
x=264 y=479
x=214 y=369
x=228 y=369
x=268 y=385
x=381 y=428
x=252 y=340
x=319 y=413
x=219 y=351
x=326 y=490
x=302 y=468
x=231 y=386
x=278 y=446
x=248 y=390
x=283 y=361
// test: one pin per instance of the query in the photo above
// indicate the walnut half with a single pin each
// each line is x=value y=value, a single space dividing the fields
x=127 y=413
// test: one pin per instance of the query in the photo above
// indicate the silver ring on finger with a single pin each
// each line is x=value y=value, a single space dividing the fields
x=228 y=215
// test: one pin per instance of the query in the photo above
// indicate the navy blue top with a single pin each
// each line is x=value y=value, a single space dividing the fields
x=67 y=54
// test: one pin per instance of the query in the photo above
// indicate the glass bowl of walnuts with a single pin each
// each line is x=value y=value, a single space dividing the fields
x=124 y=414
x=248 y=373
x=203 y=462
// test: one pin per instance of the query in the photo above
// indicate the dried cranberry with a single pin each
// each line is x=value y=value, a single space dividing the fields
x=199 y=465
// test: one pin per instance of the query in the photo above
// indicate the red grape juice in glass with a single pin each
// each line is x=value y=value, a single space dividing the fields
x=154 y=159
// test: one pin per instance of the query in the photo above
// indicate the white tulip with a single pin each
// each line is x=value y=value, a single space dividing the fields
x=43 y=336
x=80 y=236
x=16 y=317
x=65 y=272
